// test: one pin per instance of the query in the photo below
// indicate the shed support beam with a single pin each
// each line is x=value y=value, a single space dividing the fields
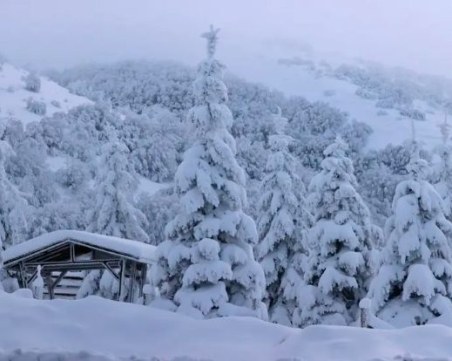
x=23 y=275
x=33 y=276
x=132 y=276
x=72 y=252
x=142 y=278
x=122 y=274
x=49 y=285
x=112 y=271
x=58 y=279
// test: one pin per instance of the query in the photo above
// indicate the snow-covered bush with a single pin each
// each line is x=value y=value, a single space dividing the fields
x=377 y=185
x=442 y=174
x=62 y=214
x=32 y=82
x=36 y=107
x=412 y=113
x=74 y=176
x=156 y=141
x=87 y=128
x=56 y=103
x=159 y=209
x=252 y=156
x=27 y=168
x=206 y=266
x=114 y=213
x=14 y=208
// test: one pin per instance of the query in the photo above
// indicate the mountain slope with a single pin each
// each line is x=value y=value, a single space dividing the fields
x=14 y=96
x=387 y=99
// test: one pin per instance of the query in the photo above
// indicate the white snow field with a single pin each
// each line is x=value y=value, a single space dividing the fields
x=13 y=96
x=111 y=330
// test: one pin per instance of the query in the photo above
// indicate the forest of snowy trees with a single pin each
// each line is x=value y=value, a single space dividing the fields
x=264 y=205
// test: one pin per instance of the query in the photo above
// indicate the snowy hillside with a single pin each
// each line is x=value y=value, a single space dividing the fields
x=318 y=80
x=87 y=325
x=53 y=98
x=14 y=96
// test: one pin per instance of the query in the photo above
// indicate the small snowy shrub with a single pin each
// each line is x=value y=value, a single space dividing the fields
x=36 y=107
x=33 y=83
x=56 y=103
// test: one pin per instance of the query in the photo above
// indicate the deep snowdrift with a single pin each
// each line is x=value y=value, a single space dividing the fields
x=119 y=330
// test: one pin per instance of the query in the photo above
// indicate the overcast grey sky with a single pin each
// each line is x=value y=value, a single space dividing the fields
x=59 y=33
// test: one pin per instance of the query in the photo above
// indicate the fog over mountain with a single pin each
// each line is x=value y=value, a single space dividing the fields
x=52 y=33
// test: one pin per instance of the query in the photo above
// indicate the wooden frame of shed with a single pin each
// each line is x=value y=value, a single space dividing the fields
x=60 y=252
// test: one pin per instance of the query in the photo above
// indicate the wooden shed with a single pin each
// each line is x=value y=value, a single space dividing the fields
x=64 y=255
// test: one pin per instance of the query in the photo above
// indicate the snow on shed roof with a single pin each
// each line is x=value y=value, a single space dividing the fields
x=138 y=250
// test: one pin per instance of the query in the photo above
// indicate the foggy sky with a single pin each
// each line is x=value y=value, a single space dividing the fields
x=60 y=33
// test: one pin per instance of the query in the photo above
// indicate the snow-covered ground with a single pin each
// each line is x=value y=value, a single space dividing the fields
x=119 y=330
x=13 y=96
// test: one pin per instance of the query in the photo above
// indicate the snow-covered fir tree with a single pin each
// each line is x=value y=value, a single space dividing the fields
x=283 y=218
x=14 y=208
x=206 y=266
x=340 y=263
x=443 y=170
x=413 y=285
x=113 y=213
x=3 y=274
x=32 y=82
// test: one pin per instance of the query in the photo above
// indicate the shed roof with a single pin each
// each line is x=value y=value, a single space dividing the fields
x=139 y=251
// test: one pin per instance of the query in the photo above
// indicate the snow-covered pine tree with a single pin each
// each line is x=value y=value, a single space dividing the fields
x=283 y=218
x=3 y=274
x=206 y=266
x=114 y=213
x=413 y=285
x=340 y=244
x=14 y=208
x=443 y=171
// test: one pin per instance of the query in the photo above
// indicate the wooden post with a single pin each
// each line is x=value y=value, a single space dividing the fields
x=142 y=278
x=23 y=275
x=132 y=276
x=72 y=252
x=58 y=279
x=122 y=273
x=33 y=276
x=49 y=285
x=111 y=270
x=364 y=306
